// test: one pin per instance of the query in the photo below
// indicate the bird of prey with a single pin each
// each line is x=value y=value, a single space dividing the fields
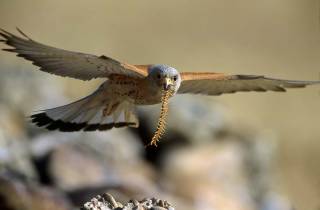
x=126 y=86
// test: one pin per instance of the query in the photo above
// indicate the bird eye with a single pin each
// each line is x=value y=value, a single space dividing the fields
x=175 y=78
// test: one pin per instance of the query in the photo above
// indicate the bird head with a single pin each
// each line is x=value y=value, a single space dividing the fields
x=165 y=77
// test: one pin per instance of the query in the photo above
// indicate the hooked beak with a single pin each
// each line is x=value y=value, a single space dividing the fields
x=167 y=83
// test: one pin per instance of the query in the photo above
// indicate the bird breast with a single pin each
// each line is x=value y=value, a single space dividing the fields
x=139 y=91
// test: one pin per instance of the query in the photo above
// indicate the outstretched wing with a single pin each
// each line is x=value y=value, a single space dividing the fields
x=66 y=63
x=217 y=84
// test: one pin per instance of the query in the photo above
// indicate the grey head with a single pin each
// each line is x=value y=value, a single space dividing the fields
x=165 y=77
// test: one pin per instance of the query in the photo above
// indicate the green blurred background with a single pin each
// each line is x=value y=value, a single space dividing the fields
x=278 y=38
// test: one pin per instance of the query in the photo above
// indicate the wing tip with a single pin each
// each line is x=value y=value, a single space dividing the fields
x=23 y=34
x=7 y=35
x=4 y=32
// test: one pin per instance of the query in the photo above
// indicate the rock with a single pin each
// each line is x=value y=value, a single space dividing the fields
x=71 y=168
x=212 y=175
x=229 y=173
x=14 y=145
x=16 y=104
x=275 y=201
x=98 y=162
x=107 y=202
x=97 y=159
x=16 y=195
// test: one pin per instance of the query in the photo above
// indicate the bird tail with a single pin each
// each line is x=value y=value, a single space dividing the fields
x=94 y=112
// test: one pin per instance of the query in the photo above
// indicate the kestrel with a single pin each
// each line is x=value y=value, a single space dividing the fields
x=113 y=103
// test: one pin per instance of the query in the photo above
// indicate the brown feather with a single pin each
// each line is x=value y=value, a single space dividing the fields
x=202 y=75
x=218 y=83
x=140 y=69
x=67 y=63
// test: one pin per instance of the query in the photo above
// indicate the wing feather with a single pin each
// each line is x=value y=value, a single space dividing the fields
x=67 y=63
x=217 y=83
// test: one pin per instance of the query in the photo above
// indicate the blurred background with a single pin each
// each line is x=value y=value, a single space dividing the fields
x=237 y=151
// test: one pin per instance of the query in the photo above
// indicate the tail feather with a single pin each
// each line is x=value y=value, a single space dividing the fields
x=88 y=114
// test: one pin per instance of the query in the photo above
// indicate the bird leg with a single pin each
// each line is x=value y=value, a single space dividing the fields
x=166 y=94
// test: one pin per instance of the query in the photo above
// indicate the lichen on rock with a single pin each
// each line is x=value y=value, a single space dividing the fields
x=108 y=202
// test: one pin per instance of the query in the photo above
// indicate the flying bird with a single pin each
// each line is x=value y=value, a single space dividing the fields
x=126 y=86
